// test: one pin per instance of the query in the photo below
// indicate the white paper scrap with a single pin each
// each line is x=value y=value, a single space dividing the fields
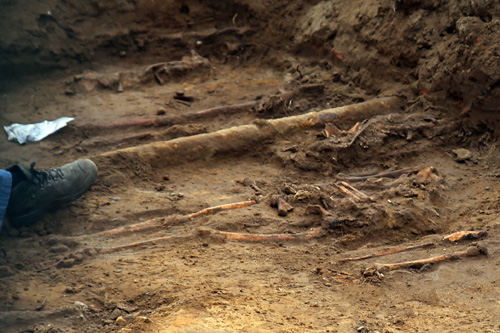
x=35 y=132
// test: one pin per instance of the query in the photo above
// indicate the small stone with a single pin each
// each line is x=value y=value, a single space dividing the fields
x=70 y=92
x=78 y=256
x=66 y=263
x=487 y=188
x=59 y=248
x=53 y=240
x=288 y=189
x=120 y=87
x=115 y=314
x=462 y=154
x=120 y=321
x=127 y=307
x=283 y=206
x=81 y=306
x=70 y=290
x=142 y=319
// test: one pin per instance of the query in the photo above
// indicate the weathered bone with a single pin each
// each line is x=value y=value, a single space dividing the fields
x=461 y=235
x=387 y=252
x=241 y=138
x=472 y=251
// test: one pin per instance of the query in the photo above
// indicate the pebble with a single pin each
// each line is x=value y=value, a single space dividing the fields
x=81 y=306
x=70 y=290
x=90 y=251
x=115 y=314
x=142 y=319
x=59 y=248
x=120 y=321
x=462 y=154
x=66 y=263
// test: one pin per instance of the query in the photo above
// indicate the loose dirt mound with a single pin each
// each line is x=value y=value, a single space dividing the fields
x=234 y=192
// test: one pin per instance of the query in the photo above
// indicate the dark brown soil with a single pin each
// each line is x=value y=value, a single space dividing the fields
x=160 y=158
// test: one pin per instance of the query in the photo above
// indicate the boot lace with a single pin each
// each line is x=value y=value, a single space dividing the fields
x=44 y=177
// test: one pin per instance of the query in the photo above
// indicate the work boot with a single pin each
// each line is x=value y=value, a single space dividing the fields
x=37 y=191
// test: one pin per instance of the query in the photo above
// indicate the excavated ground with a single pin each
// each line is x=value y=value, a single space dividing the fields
x=135 y=75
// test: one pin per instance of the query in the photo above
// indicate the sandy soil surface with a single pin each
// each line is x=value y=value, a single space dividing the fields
x=316 y=130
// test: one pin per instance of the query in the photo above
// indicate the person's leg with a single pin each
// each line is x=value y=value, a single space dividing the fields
x=5 y=188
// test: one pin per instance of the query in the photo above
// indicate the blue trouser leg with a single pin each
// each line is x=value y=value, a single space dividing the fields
x=5 y=187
